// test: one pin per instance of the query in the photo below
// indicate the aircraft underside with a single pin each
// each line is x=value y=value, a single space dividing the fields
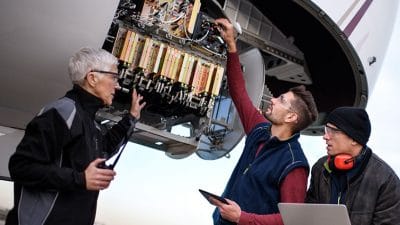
x=171 y=52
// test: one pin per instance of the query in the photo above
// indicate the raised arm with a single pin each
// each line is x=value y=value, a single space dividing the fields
x=248 y=113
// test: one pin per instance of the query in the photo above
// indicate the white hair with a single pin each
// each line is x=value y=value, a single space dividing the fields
x=88 y=59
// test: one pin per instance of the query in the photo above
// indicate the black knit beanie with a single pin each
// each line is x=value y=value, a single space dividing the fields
x=352 y=121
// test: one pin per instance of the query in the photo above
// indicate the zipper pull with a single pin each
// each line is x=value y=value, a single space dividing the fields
x=339 y=197
x=96 y=144
x=247 y=169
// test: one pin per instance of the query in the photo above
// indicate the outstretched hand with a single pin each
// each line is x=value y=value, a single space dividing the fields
x=227 y=32
x=136 y=106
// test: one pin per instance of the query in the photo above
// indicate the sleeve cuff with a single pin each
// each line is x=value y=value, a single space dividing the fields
x=132 y=118
x=80 y=179
x=244 y=218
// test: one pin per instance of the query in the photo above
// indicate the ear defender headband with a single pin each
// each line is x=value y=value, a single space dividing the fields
x=340 y=162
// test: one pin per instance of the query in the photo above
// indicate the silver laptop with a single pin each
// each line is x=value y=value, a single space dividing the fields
x=313 y=214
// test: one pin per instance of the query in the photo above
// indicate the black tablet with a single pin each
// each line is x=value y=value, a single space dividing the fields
x=207 y=194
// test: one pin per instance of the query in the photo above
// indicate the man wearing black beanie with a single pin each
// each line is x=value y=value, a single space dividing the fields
x=352 y=174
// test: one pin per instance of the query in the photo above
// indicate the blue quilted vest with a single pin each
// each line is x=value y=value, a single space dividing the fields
x=255 y=181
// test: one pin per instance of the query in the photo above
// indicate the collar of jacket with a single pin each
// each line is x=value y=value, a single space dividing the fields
x=354 y=173
x=86 y=100
x=270 y=140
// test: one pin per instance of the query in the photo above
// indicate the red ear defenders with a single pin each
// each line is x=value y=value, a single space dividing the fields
x=341 y=162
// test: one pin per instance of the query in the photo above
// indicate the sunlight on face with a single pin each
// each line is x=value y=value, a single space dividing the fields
x=336 y=140
x=279 y=107
x=105 y=87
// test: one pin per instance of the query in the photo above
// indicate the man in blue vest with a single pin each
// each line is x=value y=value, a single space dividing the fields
x=272 y=167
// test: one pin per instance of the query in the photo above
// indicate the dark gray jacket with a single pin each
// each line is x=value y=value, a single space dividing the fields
x=373 y=196
x=49 y=163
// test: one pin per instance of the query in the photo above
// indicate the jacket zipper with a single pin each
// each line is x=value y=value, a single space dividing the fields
x=247 y=169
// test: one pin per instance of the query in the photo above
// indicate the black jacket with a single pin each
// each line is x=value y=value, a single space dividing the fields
x=48 y=165
x=373 y=194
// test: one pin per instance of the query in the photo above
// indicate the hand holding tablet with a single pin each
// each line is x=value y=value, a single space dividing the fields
x=207 y=195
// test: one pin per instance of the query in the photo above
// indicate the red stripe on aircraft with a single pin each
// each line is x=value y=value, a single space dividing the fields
x=356 y=19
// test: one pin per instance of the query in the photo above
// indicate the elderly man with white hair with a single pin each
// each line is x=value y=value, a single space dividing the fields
x=56 y=168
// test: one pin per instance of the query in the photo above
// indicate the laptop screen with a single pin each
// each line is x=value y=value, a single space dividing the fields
x=313 y=214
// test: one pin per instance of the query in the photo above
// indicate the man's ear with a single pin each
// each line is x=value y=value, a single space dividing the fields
x=292 y=117
x=92 y=79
